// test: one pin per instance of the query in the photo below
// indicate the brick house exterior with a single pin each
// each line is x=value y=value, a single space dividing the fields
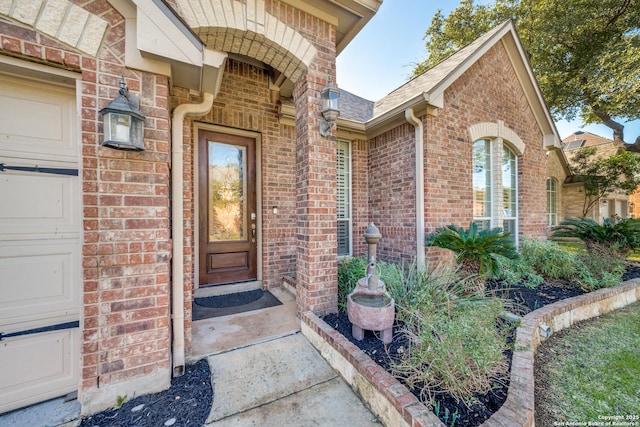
x=249 y=70
x=484 y=91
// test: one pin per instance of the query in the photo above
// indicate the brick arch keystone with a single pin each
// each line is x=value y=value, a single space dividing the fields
x=61 y=20
x=497 y=130
x=247 y=29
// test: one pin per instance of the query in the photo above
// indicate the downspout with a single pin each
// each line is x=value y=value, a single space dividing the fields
x=419 y=138
x=177 y=224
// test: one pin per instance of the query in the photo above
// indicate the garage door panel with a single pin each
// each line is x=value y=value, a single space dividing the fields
x=38 y=203
x=40 y=241
x=39 y=281
x=28 y=362
x=37 y=120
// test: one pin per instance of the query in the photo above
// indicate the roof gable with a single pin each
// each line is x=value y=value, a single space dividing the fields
x=427 y=90
x=436 y=79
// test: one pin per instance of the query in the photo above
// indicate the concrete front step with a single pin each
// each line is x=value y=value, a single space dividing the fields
x=281 y=382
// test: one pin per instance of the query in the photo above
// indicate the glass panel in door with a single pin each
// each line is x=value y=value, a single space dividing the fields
x=227 y=190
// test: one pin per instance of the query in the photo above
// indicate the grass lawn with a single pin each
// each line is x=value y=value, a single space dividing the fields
x=591 y=371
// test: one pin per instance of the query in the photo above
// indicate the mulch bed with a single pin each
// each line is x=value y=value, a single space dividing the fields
x=525 y=299
x=186 y=403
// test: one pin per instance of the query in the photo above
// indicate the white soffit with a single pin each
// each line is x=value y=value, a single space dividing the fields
x=158 y=34
x=159 y=42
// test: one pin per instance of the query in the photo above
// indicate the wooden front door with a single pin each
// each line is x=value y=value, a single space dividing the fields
x=227 y=213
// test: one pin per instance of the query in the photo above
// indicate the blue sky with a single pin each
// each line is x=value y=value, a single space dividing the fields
x=381 y=57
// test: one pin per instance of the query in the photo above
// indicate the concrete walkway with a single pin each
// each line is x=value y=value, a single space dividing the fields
x=264 y=373
x=284 y=382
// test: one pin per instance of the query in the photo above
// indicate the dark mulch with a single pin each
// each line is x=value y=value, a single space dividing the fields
x=529 y=299
x=472 y=415
x=525 y=299
x=186 y=403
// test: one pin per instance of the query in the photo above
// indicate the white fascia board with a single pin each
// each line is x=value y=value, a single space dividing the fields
x=134 y=59
x=158 y=44
x=435 y=98
x=551 y=141
x=132 y=55
x=159 y=35
x=213 y=58
x=212 y=71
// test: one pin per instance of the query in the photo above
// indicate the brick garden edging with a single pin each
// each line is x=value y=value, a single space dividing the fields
x=395 y=405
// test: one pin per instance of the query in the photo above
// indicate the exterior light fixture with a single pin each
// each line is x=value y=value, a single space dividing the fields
x=123 y=121
x=330 y=109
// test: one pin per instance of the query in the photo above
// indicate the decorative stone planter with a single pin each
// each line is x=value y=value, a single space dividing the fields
x=369 y=306
x=371 y=310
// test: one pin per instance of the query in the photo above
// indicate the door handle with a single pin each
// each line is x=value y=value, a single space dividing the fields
x=253 y=232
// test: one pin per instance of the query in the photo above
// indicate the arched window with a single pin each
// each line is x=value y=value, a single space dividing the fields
x=495 y=191
x=552 y=202
x=482 y=188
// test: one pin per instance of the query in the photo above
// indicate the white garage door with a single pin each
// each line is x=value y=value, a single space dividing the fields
x=40 y=232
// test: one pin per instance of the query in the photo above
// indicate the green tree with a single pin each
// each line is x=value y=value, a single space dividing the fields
x=584 y=52
x=605 y=175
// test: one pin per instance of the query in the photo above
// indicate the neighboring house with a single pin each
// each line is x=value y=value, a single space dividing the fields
x=615 y=204
x=237 y=184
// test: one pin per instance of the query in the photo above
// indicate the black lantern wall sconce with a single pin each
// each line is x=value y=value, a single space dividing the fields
x=123 y=123
x=330 y=108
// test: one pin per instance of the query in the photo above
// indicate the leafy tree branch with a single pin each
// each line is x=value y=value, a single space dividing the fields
x=584 y=52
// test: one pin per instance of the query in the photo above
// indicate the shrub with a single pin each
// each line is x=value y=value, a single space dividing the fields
x=621 y=236
x=350 y=270
x=455 y=344
x=549 y=259
x=476 y=251
x=439 y=290
x=599 y=269
x=517 y=272
x=461 y=353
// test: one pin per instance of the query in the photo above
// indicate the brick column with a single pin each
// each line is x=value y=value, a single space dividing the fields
x=316 y=259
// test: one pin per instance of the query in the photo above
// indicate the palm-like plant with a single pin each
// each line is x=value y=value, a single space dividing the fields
x=622 y=236
x=476 y=251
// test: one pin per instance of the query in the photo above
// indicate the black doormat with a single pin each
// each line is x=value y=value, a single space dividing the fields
x=224 y=305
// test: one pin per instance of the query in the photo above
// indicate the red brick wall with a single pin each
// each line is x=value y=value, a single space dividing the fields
x=126 y=248
x=392 y=192
x=489 y=91
x=359 y=195
x=131 y=191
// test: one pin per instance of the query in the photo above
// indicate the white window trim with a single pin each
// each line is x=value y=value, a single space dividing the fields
x=515 y=217
x=491 y=195
x=496 y=147
x=551 y=223
x=349 y=220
